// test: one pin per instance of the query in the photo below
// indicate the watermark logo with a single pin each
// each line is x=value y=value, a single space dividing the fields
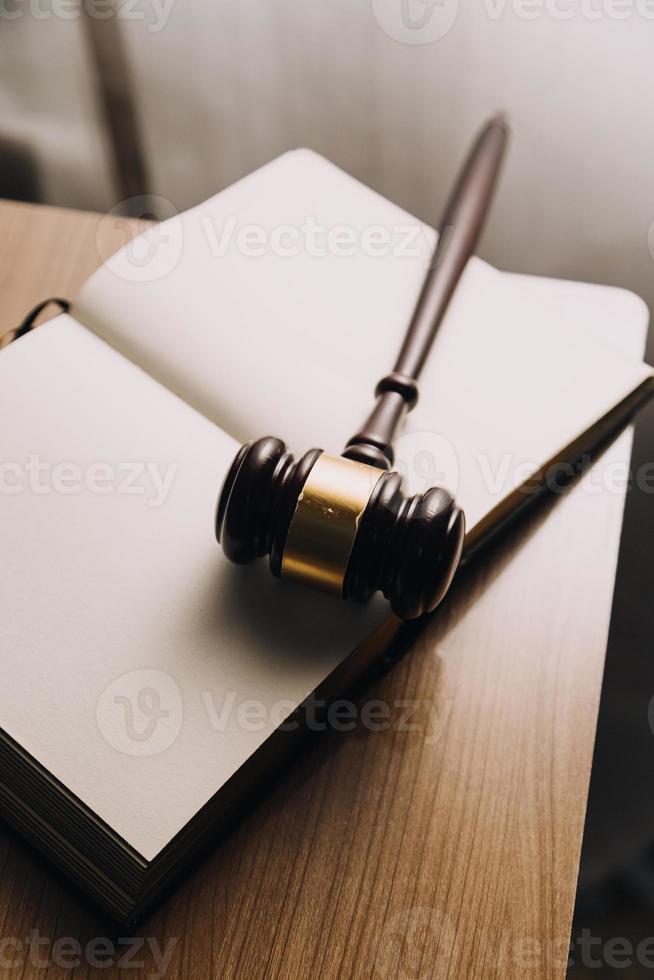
x=413 y=942
x=154 y=251
x=140 y=713
x=416 y=21
x=425 y=460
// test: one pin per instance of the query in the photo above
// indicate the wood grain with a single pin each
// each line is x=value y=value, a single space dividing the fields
x=445 y=844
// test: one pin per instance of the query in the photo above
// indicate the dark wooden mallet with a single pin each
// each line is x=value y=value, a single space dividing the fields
x=343 y=524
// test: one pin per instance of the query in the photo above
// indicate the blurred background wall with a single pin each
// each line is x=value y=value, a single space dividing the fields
x=391 y=90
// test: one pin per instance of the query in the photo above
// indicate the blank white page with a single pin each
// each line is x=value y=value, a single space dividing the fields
x=109 y=592
x=268 y=330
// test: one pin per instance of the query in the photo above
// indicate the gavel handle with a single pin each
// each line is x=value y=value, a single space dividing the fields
x=459 y=230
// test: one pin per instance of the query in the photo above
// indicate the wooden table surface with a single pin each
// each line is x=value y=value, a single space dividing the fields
x=446 y=844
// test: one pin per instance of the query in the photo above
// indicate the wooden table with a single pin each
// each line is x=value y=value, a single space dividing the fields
x=445 y=845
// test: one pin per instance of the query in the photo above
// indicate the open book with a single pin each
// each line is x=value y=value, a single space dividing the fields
x=145 y=679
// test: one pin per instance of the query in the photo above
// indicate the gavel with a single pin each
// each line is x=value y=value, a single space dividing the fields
x=343 y=524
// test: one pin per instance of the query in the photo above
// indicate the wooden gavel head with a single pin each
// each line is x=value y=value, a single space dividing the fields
x=340 y=525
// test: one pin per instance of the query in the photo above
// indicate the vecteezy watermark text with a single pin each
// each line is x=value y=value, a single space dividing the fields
x=154 y=13
x=315 y=239
x=151 y=480
x=427 y=21
x=141 y=713
x=414 y=942
x=155 y=252
x=424 y=459
x=100 y=952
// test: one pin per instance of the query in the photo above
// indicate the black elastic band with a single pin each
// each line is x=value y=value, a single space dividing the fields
x=29 y=322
